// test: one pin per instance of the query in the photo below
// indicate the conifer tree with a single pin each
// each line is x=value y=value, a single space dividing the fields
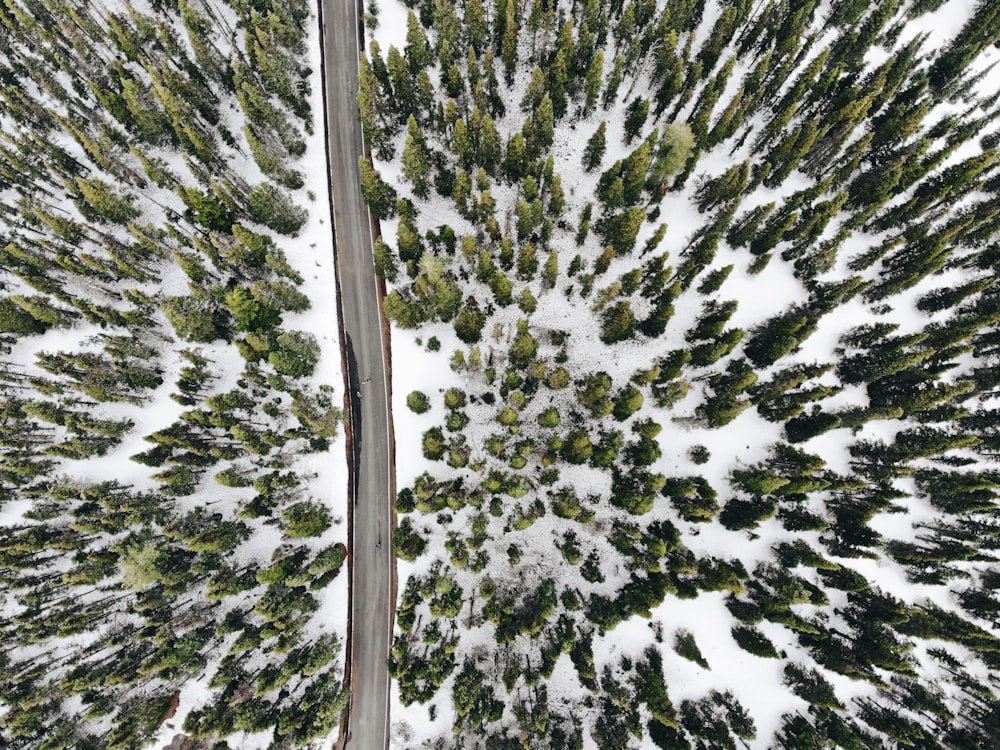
x=418 y=51
x=378 y=194
x=516 y=158
x=416 y=159
x=592 y=82
x=594 y=150
x=635 y=118
x=508 y=41
x=542 y=126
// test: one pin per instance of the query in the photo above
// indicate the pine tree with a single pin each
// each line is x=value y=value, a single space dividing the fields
x=612 y=83
x=593 y=153
x=672 y=154
x=542 y=126
x=592 y=82
x=516 y=159
x=617 y=322
x=978 y=33
x=476 y=31
x=778 y=336
x=461 y=145
x=380 y=196
x=728 y=186
x=100 y=202
x=385 y=261
x=621 y=229
x=490 y=146
x=635 y=118
x=508 y=44
x=402 y=84
x=416 y=159
x=418 y=51
x=373 y=106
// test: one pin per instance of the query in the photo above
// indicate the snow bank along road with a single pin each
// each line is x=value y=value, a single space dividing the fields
x=370 y=562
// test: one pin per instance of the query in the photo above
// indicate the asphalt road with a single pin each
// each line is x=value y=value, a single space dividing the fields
x=371 y=561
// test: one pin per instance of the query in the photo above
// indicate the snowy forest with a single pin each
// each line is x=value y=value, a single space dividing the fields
x=706 y=295
x=696 y=334
x=168 y=553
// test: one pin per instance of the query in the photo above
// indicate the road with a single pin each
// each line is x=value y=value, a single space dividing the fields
x=371 y=563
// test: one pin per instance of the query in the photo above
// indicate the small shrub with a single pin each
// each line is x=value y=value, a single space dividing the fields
x=699 y=454
x=418 y=402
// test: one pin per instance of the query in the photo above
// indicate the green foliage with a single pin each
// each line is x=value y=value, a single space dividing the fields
x=593 y=153
x=14 y=319
x=407 y=542
x=684 y=645
x=699 y=454
x=621 y=229
x=251 y=313
x=693 y=497
x=416 y=159
x=98 y=201
x=812 y=687
x=617 y=322
x=207 y=209
x=418 y=402
x=549 y=418
x=380 y=196
x=274 y=209
x=296 y=355
x=635 y=117
x=469 y=323
x=778 y=336
x=752 y=640
x=305 y=519
x=627 y=403
x=434 y=444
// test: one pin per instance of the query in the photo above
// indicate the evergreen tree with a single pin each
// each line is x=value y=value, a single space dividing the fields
x=594 y=150
x=379 y=195
x=418 y=51
x=416 y=159
x=592 y=81
x=516 y=158
x=635 y=118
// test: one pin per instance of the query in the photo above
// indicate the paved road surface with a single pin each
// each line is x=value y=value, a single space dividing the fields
x=371 y=567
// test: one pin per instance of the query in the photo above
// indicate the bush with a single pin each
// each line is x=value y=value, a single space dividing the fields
x=434 y=444
x=699 y=454
x=418 y=402
x=407 y=542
